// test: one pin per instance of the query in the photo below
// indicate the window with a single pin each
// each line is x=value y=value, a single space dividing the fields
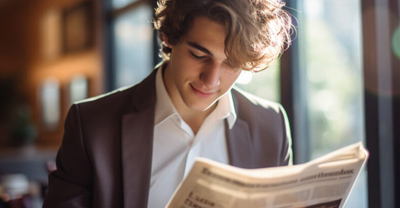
x=117 y=4
x=133 y=48
x=331 y=45
x=264 y=84
x=130 y=42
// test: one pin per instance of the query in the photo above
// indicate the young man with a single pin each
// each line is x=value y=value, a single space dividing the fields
x=132 y=147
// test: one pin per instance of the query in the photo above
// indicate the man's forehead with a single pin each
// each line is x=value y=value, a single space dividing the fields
x=207 y=36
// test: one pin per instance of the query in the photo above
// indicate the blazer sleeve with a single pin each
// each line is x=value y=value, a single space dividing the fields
x=71 y=184
x=287 y=153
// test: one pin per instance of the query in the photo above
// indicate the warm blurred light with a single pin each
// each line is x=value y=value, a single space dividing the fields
x=78 y=88
x=50 y=101
x=51 y=34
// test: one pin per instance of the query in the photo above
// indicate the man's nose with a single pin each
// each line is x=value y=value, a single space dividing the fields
x=211 y=75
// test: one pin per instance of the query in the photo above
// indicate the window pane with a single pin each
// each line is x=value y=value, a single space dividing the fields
x=332 y=44
x=121 y=3
x=264 y=84
x=133 y=46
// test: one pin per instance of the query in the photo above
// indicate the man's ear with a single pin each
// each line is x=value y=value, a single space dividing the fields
x=165 y=41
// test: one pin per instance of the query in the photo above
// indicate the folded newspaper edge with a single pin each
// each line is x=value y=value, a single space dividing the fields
x=323 y=182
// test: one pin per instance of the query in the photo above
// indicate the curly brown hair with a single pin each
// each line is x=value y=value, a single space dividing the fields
x=257 y=30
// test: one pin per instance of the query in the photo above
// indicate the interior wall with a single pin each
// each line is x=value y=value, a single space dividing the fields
x=27 y=59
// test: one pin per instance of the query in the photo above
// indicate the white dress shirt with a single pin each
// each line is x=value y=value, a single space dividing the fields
x=175 y=145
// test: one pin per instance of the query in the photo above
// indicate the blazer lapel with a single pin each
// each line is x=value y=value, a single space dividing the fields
x=239 y=144
x=137 y=144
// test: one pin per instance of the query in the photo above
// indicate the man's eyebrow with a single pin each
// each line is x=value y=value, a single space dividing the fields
x=199 y=47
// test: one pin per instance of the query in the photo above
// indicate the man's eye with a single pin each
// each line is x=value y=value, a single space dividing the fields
x=197 y=57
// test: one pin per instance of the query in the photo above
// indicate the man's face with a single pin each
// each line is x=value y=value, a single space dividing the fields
x=198 y=73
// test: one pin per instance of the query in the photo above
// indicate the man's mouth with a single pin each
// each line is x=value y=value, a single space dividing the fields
x=201 y=93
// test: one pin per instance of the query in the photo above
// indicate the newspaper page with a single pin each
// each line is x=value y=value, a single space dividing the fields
x=324 y=182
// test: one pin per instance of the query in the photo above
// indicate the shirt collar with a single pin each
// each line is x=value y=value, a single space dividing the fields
x=165 y=109
x=226 y=109
x=164 y=106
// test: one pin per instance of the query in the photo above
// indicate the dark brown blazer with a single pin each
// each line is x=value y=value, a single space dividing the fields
x=105 y=157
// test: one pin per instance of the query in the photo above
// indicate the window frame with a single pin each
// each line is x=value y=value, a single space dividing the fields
x=381 y=107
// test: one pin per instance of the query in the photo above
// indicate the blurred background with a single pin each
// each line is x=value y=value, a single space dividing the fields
x=338 y=82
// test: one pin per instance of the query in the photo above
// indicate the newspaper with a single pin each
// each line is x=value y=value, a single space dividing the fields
x=325 y=182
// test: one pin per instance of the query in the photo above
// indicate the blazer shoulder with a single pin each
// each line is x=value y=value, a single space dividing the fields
x=247 y=101
x=268 y=126
x=110 y=99
x=139 y=96
x=259 y=113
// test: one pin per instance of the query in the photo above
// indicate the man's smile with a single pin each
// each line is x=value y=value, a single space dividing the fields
x=202 y=93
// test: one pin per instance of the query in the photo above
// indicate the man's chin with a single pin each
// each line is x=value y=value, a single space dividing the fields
x=202 y=107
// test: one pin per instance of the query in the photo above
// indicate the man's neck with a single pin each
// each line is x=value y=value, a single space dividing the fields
x=195 y=118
